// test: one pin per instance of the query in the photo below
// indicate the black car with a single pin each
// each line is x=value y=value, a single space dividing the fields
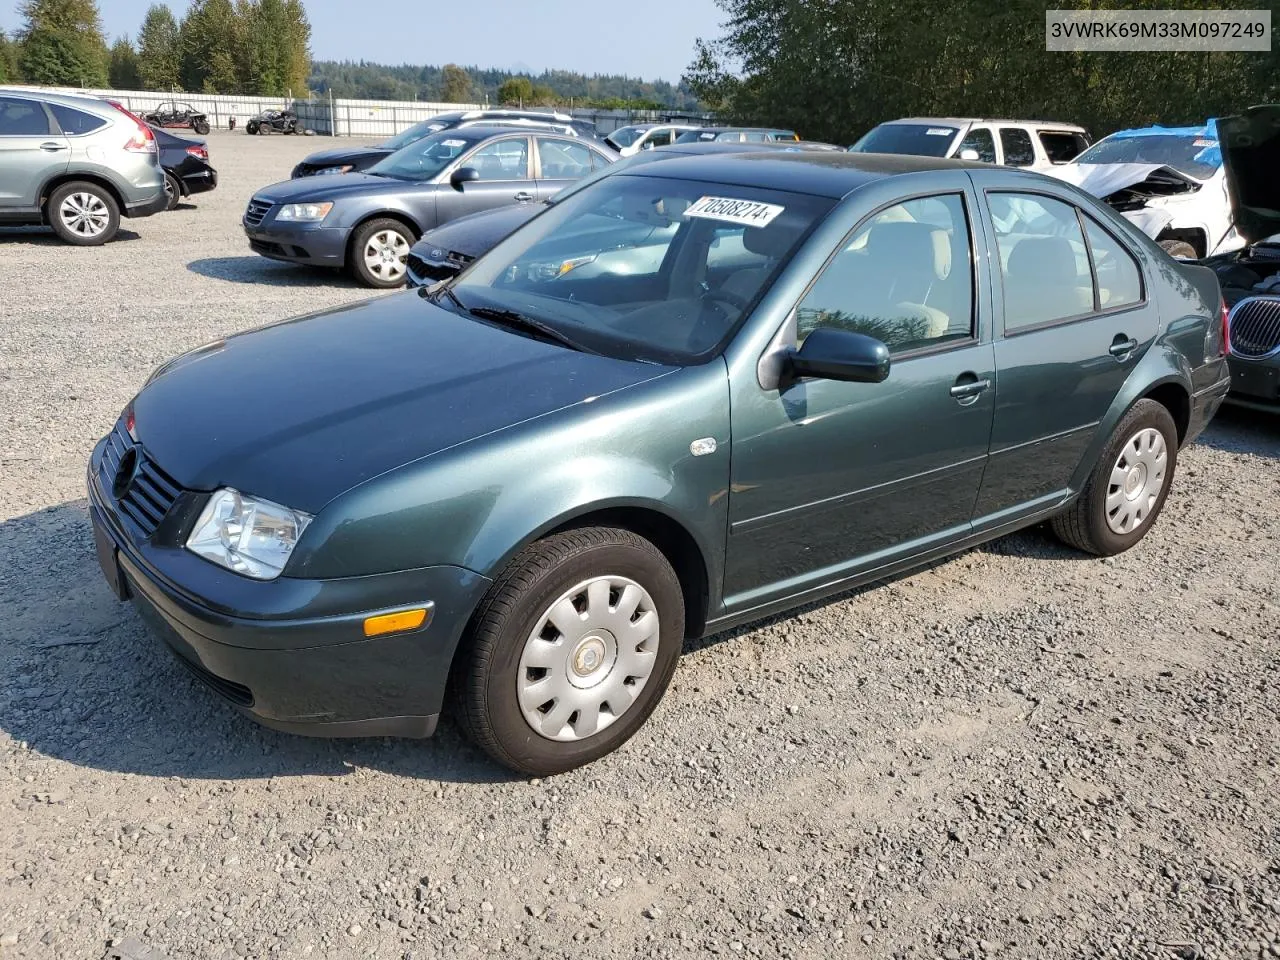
x=174 y=113
x=186 y=166
x=354 y=159
x=274 y=121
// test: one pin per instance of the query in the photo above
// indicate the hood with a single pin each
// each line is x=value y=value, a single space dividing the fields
x=1251 y=157
x=1104 y=179
x=476 y=233
x=344 y=155
x=302 y=411
x=330 y=187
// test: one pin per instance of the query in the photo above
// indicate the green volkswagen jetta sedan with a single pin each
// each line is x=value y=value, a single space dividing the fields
x=526 y=489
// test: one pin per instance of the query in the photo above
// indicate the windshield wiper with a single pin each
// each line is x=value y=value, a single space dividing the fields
x=521 y=321
x=446 y=287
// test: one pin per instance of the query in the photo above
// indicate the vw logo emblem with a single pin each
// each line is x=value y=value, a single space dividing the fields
x=125 y=473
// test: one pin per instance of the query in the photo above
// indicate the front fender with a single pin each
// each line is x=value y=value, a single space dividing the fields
x=477 y=504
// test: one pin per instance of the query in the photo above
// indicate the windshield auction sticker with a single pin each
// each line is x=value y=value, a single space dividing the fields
x=749 y=213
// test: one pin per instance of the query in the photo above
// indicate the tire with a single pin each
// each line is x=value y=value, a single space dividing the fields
x=1095 y=522
x=83 y=213
x=496 y=673
x=172 y=190
x=251 y=128
x=1179 y=248
x=200 y=126
x=379 y=270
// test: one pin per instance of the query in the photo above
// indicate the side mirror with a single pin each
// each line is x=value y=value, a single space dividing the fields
x=464 y=175
x=831 y=354
x=969 y=154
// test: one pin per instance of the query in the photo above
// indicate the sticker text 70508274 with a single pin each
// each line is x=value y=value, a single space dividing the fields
x=750 y=213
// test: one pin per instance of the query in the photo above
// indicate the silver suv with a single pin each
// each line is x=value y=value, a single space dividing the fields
x=75 y=163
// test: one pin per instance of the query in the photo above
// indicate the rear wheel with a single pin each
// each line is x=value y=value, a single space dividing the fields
x=380 y=253
x=571 y=650
x=1128 y=487
x=83 y=213
x=200 y=126
x=172 y=190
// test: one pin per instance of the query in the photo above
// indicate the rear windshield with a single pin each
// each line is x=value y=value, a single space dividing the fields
x=417 y=132
x=1197 y=157
x=426 y=158
x=626 y=136
x=921 y=140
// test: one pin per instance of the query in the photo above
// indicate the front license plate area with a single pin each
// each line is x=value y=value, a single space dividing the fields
x=109 y=561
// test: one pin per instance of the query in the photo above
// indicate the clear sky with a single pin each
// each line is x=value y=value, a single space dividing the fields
x=650 y=39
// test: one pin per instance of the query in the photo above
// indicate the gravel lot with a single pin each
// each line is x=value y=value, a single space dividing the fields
x=1021 y=752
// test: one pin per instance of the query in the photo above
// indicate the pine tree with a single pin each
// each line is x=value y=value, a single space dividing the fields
x=8 y=60
x=62 y=43
x=455 y=84
x=297 y=70
x=158 y=60
x=122 y=69
x=207 y=41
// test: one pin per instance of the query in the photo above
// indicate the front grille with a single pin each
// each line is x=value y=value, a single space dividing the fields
x=1254 y=327
x=256 y=212
x=149 y=493
x=423 y=272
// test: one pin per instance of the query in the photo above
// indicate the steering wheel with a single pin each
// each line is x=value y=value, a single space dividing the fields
x=723 y=296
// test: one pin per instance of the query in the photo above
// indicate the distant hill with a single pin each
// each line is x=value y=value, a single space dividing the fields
x=375 y=81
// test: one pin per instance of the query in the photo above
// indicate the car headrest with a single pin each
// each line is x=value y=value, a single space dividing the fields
x=772 y=241
x=1043 y=260
x=908 y=243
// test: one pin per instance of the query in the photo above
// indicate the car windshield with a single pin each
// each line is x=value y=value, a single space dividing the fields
x=416 y=133
x=1197 y=157
x=426 y=158
x=917 y=139
x=626 y=136
x=641 y=267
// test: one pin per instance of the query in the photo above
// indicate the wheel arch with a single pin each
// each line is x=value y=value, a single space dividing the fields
x=54 y=182
x=398 y=215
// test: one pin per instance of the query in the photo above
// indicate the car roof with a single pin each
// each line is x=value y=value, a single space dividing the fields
x=481 y=130
x=80 y=100
x=819 y=173
x=961 y=121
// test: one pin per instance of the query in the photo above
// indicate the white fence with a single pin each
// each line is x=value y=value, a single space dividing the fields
x=334 y=117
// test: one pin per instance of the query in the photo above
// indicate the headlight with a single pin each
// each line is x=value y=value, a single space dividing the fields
x=247 y=535
x=304 y=212
x=345 y=168
x=554 y=269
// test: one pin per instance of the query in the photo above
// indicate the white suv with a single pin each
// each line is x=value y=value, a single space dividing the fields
x=1032 y=144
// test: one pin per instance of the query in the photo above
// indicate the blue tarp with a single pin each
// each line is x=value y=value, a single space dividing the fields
x=1211 y=155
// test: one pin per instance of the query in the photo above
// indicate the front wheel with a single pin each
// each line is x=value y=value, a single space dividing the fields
x=200 y=126
x=571 y=650
x=251 y=128
x=1128 y=487
x=83 y=214
x=380 y=253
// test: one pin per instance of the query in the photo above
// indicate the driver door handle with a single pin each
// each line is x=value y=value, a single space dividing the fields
x=969 y=389
x=523 y=197
x=52 y=147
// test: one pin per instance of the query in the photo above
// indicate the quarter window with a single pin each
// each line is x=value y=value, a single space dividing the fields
x=981 y=140
x=75 y=122
x=904 y=277
x=1018 y=151
x=504 y=160
x=1119 y=282
x=1044 y=263
x=563 y=160
x=1061 y=147
x=22 y=118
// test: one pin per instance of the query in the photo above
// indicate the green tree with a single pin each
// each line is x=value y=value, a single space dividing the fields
x=8 y=59
x=455 y=84
x=122 y=67
x=62 y=43
x=158 y=59
x=207 y=40
x=274 y=57
x=297 y=63
x=516 y=91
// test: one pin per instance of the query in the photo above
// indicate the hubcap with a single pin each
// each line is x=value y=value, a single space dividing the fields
x=589 y=656
x=1136 y=480
x=85 y=214
x=386 y=255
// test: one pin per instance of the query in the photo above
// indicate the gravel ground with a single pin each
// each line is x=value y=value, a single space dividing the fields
x=1021 y=752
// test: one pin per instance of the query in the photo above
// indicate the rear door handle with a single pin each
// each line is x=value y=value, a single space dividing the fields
x=969 y=389
x=1122 y=347
x=51 y=147
x=523 y=197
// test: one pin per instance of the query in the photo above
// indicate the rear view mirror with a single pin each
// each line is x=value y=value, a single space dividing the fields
x=831 y=354
x=969 y=154
x=464 y=175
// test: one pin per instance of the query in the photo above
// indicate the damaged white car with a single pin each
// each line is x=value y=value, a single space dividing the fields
x=1168 y=181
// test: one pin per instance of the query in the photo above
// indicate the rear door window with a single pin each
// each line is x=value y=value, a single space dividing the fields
x=1016 y=143
x=1061 y=146
x=1044 y=262
x=75 y=123
x=23 y=118
x=563 y=159
x=980 y=140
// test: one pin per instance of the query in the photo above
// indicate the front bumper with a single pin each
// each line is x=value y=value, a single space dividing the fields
x=291 y=653
x=1255 y=383
x=312 y=245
